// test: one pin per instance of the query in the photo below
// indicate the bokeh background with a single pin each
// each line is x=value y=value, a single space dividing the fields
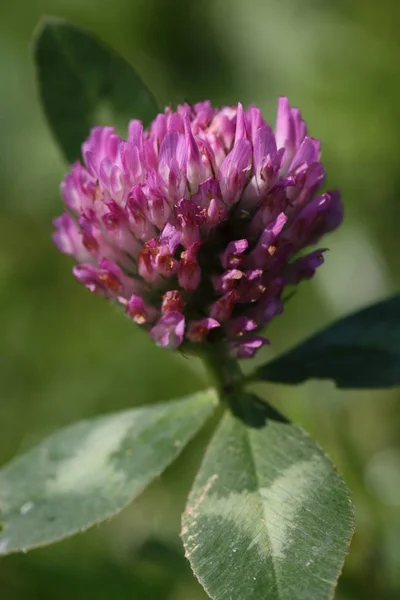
x=66 y=355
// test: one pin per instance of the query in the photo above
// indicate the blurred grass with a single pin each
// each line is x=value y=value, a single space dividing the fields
x=65 y=354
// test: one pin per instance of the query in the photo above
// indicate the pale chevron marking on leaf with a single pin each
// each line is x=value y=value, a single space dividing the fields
x=278 y=505
x=88 y=472
x=90 y=466
x=278 y=500
x=277 y=521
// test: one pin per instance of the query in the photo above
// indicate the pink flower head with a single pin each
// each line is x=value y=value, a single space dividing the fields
x=196 y=224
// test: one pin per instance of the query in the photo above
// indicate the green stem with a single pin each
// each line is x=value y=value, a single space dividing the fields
x=224 y=370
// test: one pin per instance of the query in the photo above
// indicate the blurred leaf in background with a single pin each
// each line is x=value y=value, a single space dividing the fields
x=83 y=83
x=66 y=355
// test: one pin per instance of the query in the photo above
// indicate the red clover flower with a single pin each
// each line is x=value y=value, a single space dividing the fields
x=197 y=225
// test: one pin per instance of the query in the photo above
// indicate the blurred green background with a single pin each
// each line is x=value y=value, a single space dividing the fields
x=66 y=354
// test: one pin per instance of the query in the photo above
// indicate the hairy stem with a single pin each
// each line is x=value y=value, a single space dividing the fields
x=224 y=370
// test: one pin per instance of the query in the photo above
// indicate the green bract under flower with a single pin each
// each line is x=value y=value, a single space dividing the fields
x=196 y=224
